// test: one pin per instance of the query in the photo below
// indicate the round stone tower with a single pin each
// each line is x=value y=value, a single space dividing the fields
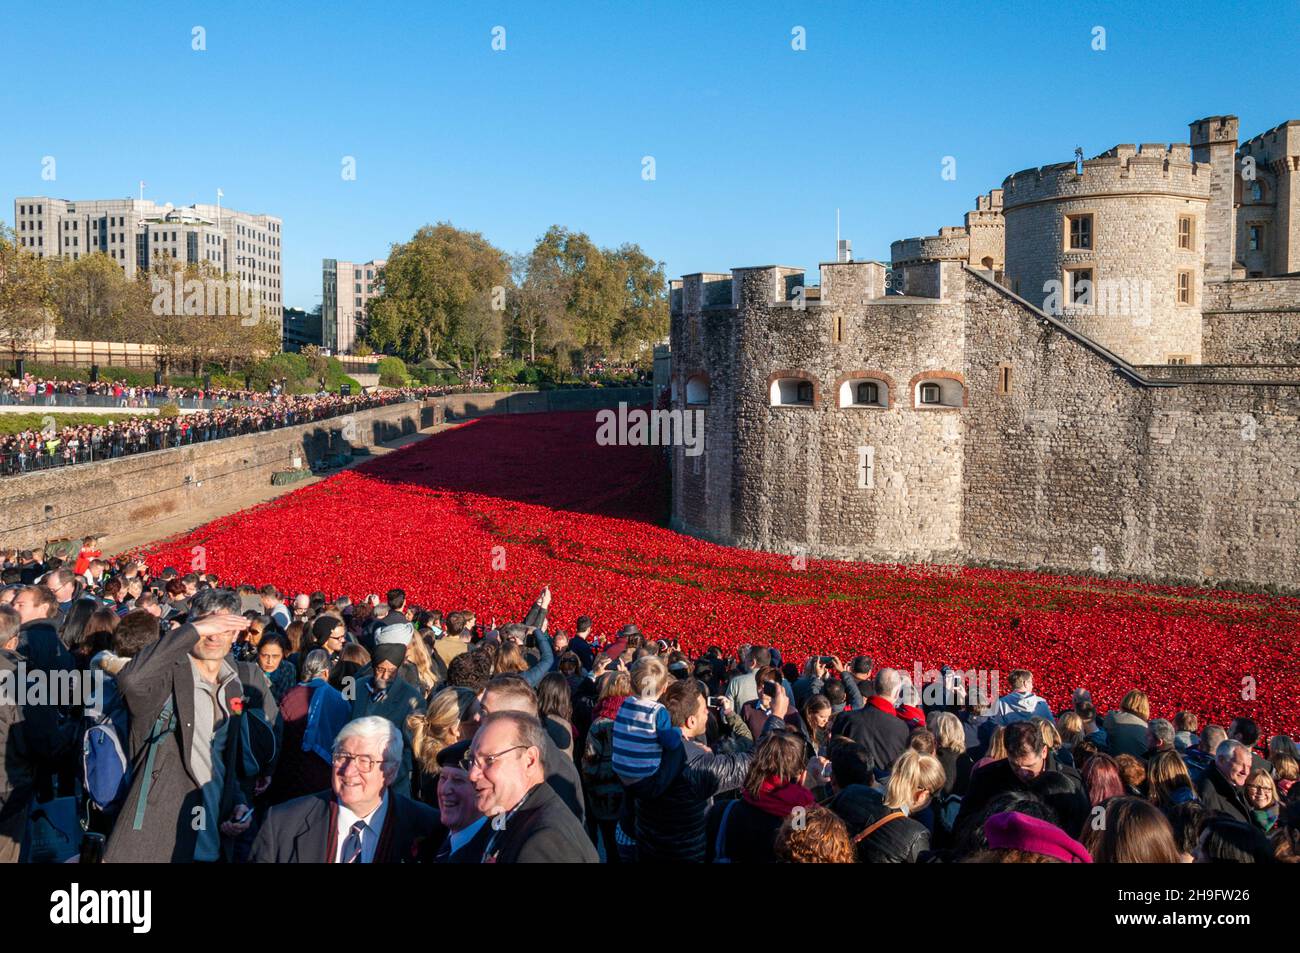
x=1115 y=247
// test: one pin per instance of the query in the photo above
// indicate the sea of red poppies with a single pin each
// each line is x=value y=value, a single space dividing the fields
x=483 y=515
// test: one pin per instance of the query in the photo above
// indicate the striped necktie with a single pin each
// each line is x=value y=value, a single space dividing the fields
x=352 y=846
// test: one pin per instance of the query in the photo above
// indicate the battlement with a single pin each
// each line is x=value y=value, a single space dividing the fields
x=951 y=244
x=1276 y=145
x=1151 y=167
x=1214 y=129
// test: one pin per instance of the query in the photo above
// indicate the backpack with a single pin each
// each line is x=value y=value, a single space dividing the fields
x=105 y=770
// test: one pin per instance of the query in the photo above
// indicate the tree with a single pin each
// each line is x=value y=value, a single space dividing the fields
x=643 y=316
x=24 y=293
x=541 y=292
x=480 y=330
x=91 y=297
x=429 y=284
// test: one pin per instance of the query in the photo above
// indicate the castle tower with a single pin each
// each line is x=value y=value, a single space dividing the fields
x=1268 y=207
x=1115 y=250
x=1214 y=141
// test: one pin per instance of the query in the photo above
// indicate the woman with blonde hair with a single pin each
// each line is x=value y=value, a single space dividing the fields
x=1261 y=794
x=997 y=749
x=884 y=829
x=951 y=745
x=1070 y=727
x=449 y=718
x=1126 y=729
x=421 y=673
x=1168 y=781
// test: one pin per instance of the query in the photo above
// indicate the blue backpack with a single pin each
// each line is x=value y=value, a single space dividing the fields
x=105 y=769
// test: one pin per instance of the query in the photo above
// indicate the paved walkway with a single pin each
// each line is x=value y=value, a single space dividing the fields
x=191 y=519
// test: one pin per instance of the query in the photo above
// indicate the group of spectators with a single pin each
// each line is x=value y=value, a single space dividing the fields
x=320 y=729
x=30 y=389
x=52 y=447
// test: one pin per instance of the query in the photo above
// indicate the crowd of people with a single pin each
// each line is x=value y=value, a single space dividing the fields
x=39 y=391
x=55 y=446
x=231 y=725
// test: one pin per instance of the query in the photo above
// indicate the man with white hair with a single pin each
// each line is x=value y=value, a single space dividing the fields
x=1221 y=788
x=877 y=726
x=361 y=819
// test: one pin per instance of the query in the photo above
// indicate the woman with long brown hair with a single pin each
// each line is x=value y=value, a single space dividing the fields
x=448 y=719
x=1133 y=832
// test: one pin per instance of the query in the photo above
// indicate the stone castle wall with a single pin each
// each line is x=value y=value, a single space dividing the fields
x=1135 y=198
x=1252 y=321
x=1083 y=465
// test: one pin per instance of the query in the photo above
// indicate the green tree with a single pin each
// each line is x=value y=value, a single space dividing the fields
x=25 y=293
x=429 y=285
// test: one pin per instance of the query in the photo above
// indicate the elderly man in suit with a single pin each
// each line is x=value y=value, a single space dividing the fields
x=465 y=828
x=193 y=741
x=529 y=821
x=360 y=819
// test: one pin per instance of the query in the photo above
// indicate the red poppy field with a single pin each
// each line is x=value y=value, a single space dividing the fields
x=483 y=515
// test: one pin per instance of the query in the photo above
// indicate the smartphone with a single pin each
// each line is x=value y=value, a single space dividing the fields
x=769 y=689
x=717 y=701
x=242 y=813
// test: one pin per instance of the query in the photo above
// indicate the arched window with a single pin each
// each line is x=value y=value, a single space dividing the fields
x=857 y=391
x=933 y=393
x=791 y=392
x=868 y=392
x=697 y=390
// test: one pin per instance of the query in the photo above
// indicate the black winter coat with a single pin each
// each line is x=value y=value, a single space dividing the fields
x=1217 y=793
x=883 y=735
x=996 y=778
x=543 y=830
x=671 y=828
x=900 y=841
x=750 y=835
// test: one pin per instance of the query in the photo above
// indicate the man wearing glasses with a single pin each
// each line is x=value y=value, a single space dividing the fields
x=529 y=822
x=360 y=820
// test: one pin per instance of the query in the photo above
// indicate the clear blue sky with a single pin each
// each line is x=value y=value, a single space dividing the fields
x=755 y=144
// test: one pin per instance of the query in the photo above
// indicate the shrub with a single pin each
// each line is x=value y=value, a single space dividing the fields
x=392 y=372
x=169 y=409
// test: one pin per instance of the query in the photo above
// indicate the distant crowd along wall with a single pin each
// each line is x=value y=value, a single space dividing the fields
x=132 y=492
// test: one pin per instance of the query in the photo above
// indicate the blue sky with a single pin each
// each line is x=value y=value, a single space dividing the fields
x=755 y=144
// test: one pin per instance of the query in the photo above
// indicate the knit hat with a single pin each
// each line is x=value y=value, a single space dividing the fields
x=394 y=652
x=1017 y=831
x=323 y=626
x=397 y=633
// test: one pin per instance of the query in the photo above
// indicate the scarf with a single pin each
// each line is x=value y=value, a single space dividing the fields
x=780 y=798
x=608 y=707
x=878 y=701
x=1266 y=817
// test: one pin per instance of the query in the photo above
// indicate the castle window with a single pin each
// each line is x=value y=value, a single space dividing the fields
x=1184 y=287
x=1256 y=191
x=1080 y=232
x=1079 y=285
x=1255 y=239
x=856 y=392
x=697 y=390
x=791 y=392
x=1004 y=379
x=1179 y=359
x=1186 y=231
x=937 y=393
x=837 y=328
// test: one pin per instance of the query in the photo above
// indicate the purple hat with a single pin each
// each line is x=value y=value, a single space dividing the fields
x=1017 y=831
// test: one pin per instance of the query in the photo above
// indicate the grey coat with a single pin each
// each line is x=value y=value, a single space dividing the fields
x=167 y=832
